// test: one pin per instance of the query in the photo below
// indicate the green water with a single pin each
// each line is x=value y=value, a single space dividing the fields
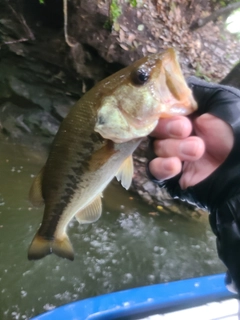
x=126 y=248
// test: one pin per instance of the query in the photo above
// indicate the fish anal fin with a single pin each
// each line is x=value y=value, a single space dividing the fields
x=125 y=173
x=41 y=247
x=35 y=193
x=91 y=213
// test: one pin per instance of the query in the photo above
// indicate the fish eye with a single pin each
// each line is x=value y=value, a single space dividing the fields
x=140 y=76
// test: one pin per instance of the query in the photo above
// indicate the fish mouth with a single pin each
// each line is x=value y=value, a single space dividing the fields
x=183 y=109
x=182 y=100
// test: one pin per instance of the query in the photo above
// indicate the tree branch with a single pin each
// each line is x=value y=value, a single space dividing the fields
x=226 y=10
x=21 y=19
x=65 y=13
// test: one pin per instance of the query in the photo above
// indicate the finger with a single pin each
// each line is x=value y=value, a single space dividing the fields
x=189 y=149
x=217 y=134
x=163 y=169
x=176 y=127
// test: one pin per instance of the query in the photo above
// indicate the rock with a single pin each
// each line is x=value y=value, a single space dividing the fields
x=149 y=187
x=61 y=105
x=45 y=123
x=11 y=117
x=31 y=92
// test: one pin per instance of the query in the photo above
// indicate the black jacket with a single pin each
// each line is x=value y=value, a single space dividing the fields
x=220 y=192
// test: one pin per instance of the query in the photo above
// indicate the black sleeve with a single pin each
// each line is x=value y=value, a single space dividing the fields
x=219 y=193
x=225 y=224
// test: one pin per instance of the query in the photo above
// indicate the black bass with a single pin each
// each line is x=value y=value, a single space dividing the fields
x=95 y=143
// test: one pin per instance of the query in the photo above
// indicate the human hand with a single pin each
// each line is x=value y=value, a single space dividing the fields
x=207 y=175
x=200 y=153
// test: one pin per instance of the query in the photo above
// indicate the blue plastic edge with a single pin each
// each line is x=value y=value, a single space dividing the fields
x=144 y=299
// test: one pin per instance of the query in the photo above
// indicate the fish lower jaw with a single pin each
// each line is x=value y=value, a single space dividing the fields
x=180 y=110
x=132 y=136
x=132 y=133
x=118 y=140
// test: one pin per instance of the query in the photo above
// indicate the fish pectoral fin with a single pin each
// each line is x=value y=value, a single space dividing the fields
x=91 y=213
x=125 y=173
x=41 y=247
x=35 y=193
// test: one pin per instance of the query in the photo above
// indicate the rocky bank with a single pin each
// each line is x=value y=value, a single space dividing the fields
x=48 y=61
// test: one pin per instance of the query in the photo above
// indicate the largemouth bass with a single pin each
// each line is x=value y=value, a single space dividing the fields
x=95 y=143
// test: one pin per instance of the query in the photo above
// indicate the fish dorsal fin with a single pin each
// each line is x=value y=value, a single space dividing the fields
x=91 y=213
x=125 y=173
x=35 y=193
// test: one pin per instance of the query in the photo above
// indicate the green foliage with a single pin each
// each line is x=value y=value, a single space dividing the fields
x=235 y=64
x=223 y=36
x=107 y=25
x=41 y=1
x=172 y=6
x=133 y=3
x=199 y=73
x=115 y=10
x=225 y=3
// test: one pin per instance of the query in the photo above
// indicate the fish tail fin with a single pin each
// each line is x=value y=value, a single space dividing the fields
x=63 y=248
x=41 y=247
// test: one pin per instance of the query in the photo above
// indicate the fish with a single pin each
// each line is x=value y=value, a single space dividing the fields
x=95 y=143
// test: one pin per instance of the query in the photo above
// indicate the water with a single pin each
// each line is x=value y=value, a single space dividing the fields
x=126 y=248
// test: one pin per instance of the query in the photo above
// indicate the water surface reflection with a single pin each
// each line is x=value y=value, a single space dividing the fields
x=126 y=248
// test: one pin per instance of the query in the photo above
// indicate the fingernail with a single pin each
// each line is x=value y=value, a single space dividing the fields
x=188 y=148
x=175 y=128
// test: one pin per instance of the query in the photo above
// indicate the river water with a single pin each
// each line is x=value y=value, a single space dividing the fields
x=128 y=247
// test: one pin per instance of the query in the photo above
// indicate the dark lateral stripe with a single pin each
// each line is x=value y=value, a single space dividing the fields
x=50 y=223
x=79 y=167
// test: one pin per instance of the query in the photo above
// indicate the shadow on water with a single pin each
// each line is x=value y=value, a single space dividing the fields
x=126 y=248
